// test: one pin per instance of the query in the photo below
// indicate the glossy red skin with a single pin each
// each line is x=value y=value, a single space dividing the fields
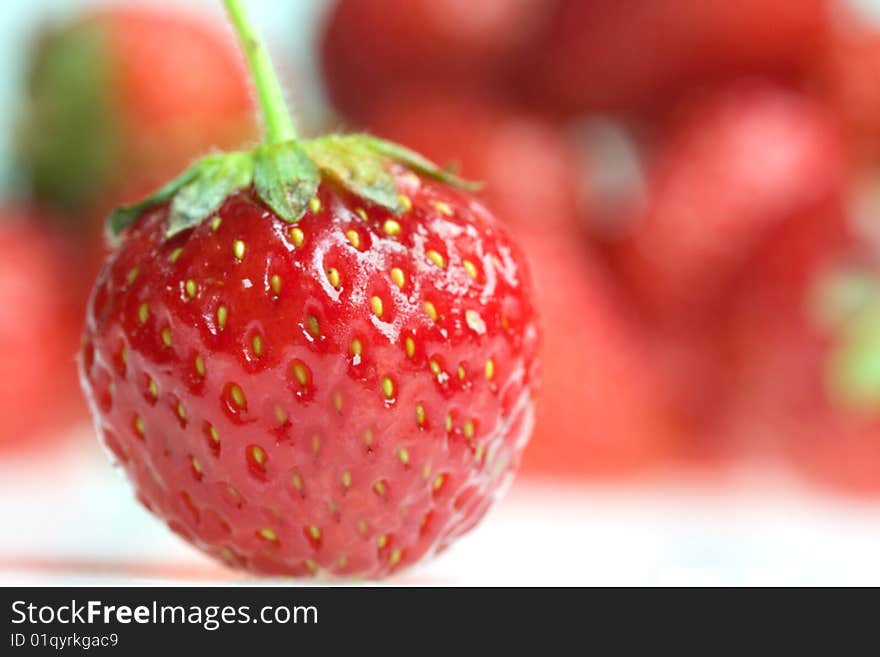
x=601 y=411
x=38 y=333
x=724 y=180
x=630 y=56
x=373 y=49
x=420 y=511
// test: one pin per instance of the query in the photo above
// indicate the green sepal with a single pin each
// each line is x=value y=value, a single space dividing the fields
x=285 y=178
x=854 y=363
x=217 y=177
x=419 y=163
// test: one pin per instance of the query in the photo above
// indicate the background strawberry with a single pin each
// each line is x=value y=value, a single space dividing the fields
x=39 y=332
x=308 y=358
x=429 y=45
x=630 y=56
x=111 y=111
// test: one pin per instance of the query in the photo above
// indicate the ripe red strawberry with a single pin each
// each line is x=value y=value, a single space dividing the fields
x=427 y=44
x=610 y=55
x=725 y=178
x=601 y=410
x=38 y=332
x=314 y=357
x=101 y=124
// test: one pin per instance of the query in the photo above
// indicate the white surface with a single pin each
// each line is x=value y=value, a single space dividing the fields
x=70 y=519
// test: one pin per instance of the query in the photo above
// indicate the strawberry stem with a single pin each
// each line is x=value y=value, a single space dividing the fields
x=277 y=121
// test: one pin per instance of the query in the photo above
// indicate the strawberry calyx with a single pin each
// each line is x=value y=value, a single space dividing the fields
x=285 y=171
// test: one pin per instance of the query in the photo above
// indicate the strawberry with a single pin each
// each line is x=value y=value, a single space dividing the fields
x=629 y=56
x=601 y=410
x=38 y=332
x=429 y=45
x=709 y=206
x=100 y=124
x=317 y=356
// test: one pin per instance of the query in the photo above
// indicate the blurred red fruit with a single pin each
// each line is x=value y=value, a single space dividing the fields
x=726 y=176
x=611 y=55
x=39 y=333
x=122 y=99
x=371 y=49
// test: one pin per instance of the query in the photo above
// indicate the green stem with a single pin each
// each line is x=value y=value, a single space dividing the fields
x=277 y=122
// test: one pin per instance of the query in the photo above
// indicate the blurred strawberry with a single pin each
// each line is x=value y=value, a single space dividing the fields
x=112 y=111
x=371 y=49
x=610 y=55
x=727 y=175
x=601 y=408
x=39 y=333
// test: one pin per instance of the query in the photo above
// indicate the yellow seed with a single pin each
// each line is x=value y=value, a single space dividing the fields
x=435 y=367
x=337 y=401
x=391 y=227
x=377 y=306
x=314 y=532
x=333 y=277
x=449 y=422
x=181 y=411
x=361 y=213
x=301 y=374
x=354 y=237
x=311 y=565
x=268 y=534
x=143 y=313
x=396 y=556
x=443 y=208
x=222 y=316
x=315 y=204
x=258 y=455
x=431 y=310
x=405 y=202
x=275 y=283
x=436 y=257
x=469 y=429
x=257 y=345
x=316 y=443
x=215 y=224
x=166 y=336
x=382 y=541
x=196 y=465
x=387 y=387
x=398 y=277
x=191 y=288
x=200 y=366
x=214 y=434
x=139 y=425
x=362 y=526
x=479 y=453
x=380 y=488
x=153 y=388
x=410 y=346
x=357 y=347
x=342 y=561
x=297 y=236
x=238 y=249
x=490 y=369
x=175 y=254
x=470 y=268
x=235 y=392
x=404 y=455
x=438 y=481
x=420 y=415
x=297 y=481
x=280 y=414
x=123 y=355
x=426 y=471
x=132 y=275
x=346 y=479
x=313 y=326
x=368 y=437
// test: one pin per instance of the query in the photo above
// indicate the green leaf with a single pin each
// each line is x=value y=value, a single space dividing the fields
x=217 y=176
x=416 y=162
x=123 y=217
x=352 y=163
x=285 y=178
x=854 y=363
